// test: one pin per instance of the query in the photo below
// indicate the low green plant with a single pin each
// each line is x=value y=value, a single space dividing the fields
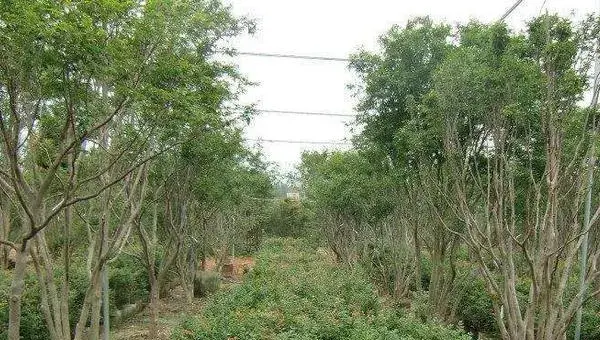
x=296 y=293
x=33 y=326
x=590 y=322
x=288 y=218
x=128 y=281
x=205 y=283
x=476 y=310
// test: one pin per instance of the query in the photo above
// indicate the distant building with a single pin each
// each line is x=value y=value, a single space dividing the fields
x=293 y=196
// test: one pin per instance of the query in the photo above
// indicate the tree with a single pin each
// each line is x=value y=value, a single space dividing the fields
x=394 y=89
x=517 y=143
x=356 y=202
x=84 y=89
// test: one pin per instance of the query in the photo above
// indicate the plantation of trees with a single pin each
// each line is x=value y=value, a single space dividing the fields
x=467 y=206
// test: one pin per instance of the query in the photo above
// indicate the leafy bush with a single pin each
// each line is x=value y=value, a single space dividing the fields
x=128 y=281
x=78 y=286
x=206 y=282
x=289 y=218
x=33 y=325
x=476 y=311
x=296 y=293
x=590 y=322
x=420 y=306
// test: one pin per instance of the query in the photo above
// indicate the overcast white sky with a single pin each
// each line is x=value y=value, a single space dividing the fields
x=337 y=28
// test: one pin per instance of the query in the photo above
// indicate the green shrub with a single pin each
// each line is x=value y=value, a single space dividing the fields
x=33 y=325
x=288 y=218
x=425 y=270
x=420 y=306
x=78 y=286
x=205 y=283
x=295 y=293
x=476 y=311
x=128 y=281
x=590 y=323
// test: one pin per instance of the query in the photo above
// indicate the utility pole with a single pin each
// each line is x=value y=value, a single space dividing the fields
x=588 y=203
x=586 y=229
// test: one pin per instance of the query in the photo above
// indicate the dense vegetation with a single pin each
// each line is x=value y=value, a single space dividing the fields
x=122 y=162
x=465 y=205
x=299 y=292
x=467 y=185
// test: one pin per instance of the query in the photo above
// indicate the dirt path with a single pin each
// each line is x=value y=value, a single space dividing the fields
x=171 y=310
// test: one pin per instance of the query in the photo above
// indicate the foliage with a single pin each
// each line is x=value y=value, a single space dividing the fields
x=470 y=159
x=346 y=184
x=476 y=311
x=590 y=324
x=294 y=292
x=34 y=327
x=205 y=283
x=288 y=218
x=106 y=109
x=393 y=83
x=128 y=282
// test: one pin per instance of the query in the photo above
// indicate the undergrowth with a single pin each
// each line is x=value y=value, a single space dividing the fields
x=295 y=292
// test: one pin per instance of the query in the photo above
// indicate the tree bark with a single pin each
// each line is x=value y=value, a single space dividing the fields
x=94 y=330
x=148 y=251
x=417 y=242
x=16 y=292
x=4 y=229
x=154 y=302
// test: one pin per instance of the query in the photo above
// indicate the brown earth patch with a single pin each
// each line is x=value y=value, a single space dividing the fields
x=234 y=268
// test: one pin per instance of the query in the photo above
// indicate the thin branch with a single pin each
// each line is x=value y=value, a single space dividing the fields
x=64 y=203
x=10 y=244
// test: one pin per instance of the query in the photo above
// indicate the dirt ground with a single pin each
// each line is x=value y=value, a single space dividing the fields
x=240 y=265
x=174 y=308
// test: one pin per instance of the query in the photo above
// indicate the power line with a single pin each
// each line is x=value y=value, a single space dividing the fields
x=510 y=10
x=307 y=113
x=289 y=56
x=287 y=141
x=542 y=7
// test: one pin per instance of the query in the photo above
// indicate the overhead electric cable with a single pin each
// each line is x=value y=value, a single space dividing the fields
x=510 y=10
x=542 y=7
x=287 y=141
x=289 y=56
x=307 y=113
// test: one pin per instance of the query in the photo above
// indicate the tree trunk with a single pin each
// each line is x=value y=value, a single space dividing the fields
x=16 y=291
x=148 y=251
x=87 y=304
x=4 y=229
x=154 y=301
x=64 y=290
x=105 y=304
x=417 y=242
x=94 y=330
x=52 y=302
